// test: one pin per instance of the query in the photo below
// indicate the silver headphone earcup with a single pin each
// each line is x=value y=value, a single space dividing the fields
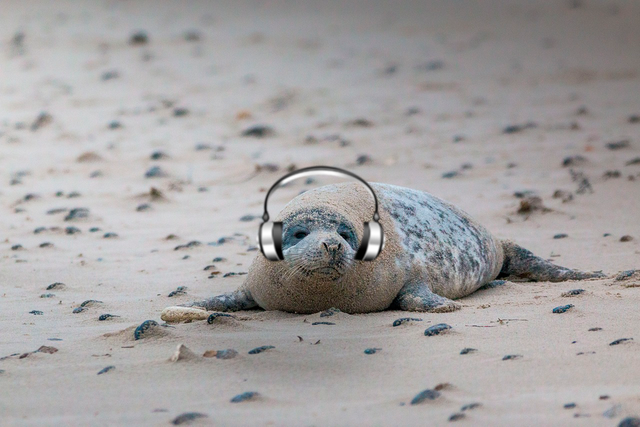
x=270 y=240
x=372 y=242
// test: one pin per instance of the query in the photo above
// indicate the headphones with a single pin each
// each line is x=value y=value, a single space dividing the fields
x=270 y=233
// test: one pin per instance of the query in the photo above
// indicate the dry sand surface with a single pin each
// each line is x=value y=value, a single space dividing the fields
x=403 y=93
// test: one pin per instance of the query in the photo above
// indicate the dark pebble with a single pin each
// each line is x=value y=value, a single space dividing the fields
x=110 y=235
x=72 y=230
x=468 y=350
x=180 y=290
x=39 y=230
x=47 y=296
x=425 y=395
x=363 y=159
x=612 y=174
x=143 y=207
x=621 y=341
x=574 y=161
x=56 y=285
x=17 y=247
x=634 y=118
x=246 y=396
x=159 y=155
x=261 y=349
x=624 y=275
x=560 y=236
x=372 y=350
x=617 y=145
x=573 y=292
x=569 y=405
x=457 y=416
x=77 y=213
x=323 y=323
x=189 y=245
x=247 y=218
x=36 y=312
x=46 y=245
x=226 y=354
x=139 y=38
x=192 y=36
x=630 y=422
x=330 y=312
x=518 y=128
x=94 y=230
x=218 y=259
x=626 y=238
x=107 y=369
x=524 y=193
x=180 y=112
x=451 y=174
x=634 y=161
x=109 y=75
x=403 y=320
x=437 y=329
x=90 y=302
x=594 y=329
x=212 y=317
x=73 y=195
x=144 y=327
x=470 y=406
x=187 y=417
x=106 y=317
x=258 y=131
x=78 y=310
x=114 y=125
x=512 y=357
x=155 y=172
x=562 y=308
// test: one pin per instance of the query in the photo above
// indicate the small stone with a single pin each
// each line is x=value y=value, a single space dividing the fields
x=518 y=128
x=114 y=125
x=524 y=193
x=572 y=293
x=56 y=285
x=451 y=174
x=612 y=174
x=630 y=422
x=187 y=417
x=577 y=160
x=626 y=238
x=139 y=38
x=17 y=248
x=221 y=354
x=612 y=412
x=192 y=244
x=47 y=296
x=468 y=350
x=90 y=303
x=77 y=213
x=258 y=131
x=109 y=75
x=635 y=161
x=39 y=230
x=94 y=230
x=78 y=310
x=403 y=320
x=143 y=207
x=46 y=349
x=512 y=357
x=46 y=245
x=104 y=317
x=212 y=317
x=372 y=350
x=621 y=341
x=105 y=370
x=364 y=159
x=438 y=329
x=323 y=323
x=470 y=406
x=562 y=308
x=110 y=235
x=42 y=120
x=594 y=329
x=192 y=36
x=180 y=112
x=72 y=230
x=180 y=290
x=155 y=172
x=569 y=405
x=36 y=312
x=247 y=218
x=560 y=236
x=617 y=145
x=261 y=349
x=143 y=328
x=182 y=353
x=424 y=396
x=624 y=275
x=159 y=155
x=246 y=396
x=457 y=416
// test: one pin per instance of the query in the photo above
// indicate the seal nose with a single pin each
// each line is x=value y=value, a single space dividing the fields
x=332 y=248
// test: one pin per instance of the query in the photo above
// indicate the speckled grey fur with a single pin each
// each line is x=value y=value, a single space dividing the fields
x=434 y=253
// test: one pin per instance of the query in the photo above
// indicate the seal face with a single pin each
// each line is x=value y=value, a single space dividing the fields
x=434 y=252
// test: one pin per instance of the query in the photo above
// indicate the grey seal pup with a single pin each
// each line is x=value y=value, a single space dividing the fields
x=434 y=253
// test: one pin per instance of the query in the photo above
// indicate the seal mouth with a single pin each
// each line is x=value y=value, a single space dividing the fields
x=326 y=270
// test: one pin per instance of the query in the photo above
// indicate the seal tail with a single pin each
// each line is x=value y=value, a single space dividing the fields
x=521 y=263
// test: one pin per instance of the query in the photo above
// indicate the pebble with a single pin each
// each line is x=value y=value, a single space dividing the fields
x=94 y=230
x=634 y=118
x=451 y=174
x=247 y=218
x=144 y=327
x=518 y=128
x=46 y=245
x=143 y=207
x=180 y=290
x=212 y=317
x=427 y=394
x=106 y=317
x=17 y=247
x=626 y=238
x=36 y=312
x=39 y=230
x=261 y=349
x=437 y=329
x=139 y=38
x=246 y=396
x=322 y=323
x=192 y=244
x=192 y=36
x=594 y=329
x=47 y=296
x=560 y=236
x=524 y=193
x=110 y=235
x=403 y=320
x=109 y=75
x=569 y=405
x=532 y=204
x=258 y=131
x=572 y=293
x=612 y=174
x=566 y=196
x=330 y=312
x=512 y=357
x=620 y=341
x=630 y=422
x=562 y=308
x=617 y=145
x=155 y=172
x=218 y=259
x=221 y=354
x=107 y=369
x=159 y=155
x=457 y=416
x=363 y=159
x=634 y=161
x=470 y=406
x=90 y=303
x=77 y=213
x=624 y=275
x=57 y=285
x=187 y=417
x=574 y=161
x=372 y=350
x=78 y=310
x=46 y=349
x=468 y=350
x=180 y=112
x=72 y=230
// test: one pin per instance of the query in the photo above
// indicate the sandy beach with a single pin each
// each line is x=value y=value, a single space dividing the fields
x=137 y=140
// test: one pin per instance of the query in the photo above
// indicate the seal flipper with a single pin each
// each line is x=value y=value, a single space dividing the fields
x=418 y=297
x=232 y=301
x=521 y=263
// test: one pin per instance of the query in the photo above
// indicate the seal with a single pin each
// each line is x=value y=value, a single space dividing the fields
x=434 y=253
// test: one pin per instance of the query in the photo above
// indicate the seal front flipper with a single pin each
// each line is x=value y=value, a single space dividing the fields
x=418 y=297
x=232 y=301
x=521 y=263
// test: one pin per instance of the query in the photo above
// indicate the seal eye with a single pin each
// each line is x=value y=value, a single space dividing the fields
x=300 y=234
x=344 y=235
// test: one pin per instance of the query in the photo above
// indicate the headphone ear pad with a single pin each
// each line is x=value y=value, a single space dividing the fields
x=364 y=244
x=277 y=238
x=270 y=240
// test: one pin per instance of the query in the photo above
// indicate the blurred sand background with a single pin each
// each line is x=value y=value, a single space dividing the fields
x=494 y=95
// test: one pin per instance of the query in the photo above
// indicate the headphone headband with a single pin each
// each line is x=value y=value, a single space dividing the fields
x=318 y=170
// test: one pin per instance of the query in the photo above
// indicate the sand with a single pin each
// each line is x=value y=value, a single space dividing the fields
x=437 y=84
